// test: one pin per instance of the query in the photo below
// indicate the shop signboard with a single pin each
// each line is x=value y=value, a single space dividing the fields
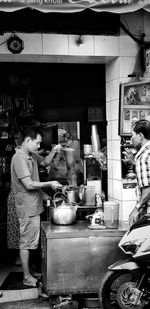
x=64 y=6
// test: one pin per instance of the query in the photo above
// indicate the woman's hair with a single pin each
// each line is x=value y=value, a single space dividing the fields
x=31 y=132
x=142 y=126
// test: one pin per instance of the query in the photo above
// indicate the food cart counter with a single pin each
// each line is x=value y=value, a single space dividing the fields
x=75 y=258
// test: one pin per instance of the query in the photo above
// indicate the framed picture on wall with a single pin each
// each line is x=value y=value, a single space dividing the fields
x=134 y=105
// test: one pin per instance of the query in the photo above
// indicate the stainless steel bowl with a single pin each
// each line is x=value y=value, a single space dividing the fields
x=90 y=301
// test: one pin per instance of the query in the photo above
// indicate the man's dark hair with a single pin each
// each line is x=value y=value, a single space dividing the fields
x=142 y=126
x=31 y=132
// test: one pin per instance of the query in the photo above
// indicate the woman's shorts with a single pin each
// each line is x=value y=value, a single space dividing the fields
x=29 y=232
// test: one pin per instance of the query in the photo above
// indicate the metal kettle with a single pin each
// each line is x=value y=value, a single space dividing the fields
x=65 y=212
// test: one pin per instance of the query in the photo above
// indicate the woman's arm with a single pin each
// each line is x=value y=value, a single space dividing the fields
x=49 y=158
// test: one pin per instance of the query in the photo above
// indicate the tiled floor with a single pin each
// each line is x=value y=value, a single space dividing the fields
x=6 y=266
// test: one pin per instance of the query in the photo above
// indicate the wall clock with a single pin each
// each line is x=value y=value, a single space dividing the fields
x=15 y=45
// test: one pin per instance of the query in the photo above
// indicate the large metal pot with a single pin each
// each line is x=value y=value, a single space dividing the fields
x=64 y=213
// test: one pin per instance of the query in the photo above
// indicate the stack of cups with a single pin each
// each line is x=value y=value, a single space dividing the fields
x=95 y=138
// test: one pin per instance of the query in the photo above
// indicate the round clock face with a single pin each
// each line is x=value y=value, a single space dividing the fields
x=15 y=45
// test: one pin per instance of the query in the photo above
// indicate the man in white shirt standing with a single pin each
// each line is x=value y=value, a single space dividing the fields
x=141 y=141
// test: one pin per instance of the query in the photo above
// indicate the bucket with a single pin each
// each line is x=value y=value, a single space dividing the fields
x=90 y=301
x=111 y=214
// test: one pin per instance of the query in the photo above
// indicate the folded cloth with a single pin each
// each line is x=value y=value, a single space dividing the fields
x=30 y=281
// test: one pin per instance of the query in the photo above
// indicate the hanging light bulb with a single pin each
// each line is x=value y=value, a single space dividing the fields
x=79 y=40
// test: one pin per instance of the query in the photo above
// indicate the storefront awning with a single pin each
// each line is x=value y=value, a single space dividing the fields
x=71 y=6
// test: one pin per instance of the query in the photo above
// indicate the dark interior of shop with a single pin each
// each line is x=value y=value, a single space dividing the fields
x=55 y=97
x=58 y=93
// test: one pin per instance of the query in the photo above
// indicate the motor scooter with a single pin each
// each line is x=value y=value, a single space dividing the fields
x=126 y=284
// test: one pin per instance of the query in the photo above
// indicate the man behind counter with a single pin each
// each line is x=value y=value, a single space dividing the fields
x=28 y=194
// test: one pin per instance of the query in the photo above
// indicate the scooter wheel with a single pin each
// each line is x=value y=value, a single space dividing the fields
x=126 y=295
x=108 y=292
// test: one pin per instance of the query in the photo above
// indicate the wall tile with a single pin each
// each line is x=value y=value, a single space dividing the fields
x=108 y=110
x=106 y=45
x=109 y=150
x=108 y=71
x=109 y=130
x=108 y=88
x=55 y=44
x=116 y=166
x=127 y=47
x=114 y=93
x=32 y=43
x=110 y=168
x=117 y=189
x=127 y=207
x=87 y=48
x=110 y=188
x=113 y=69
x=115 y=110
x=116 y=154
x=128 y=65
x=128 y=194
x=120 y=211
x=114 y=124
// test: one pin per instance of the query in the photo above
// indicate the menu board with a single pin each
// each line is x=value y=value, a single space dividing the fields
x=134 y=105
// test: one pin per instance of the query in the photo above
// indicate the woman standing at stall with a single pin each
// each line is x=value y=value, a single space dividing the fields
x=13 y=235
